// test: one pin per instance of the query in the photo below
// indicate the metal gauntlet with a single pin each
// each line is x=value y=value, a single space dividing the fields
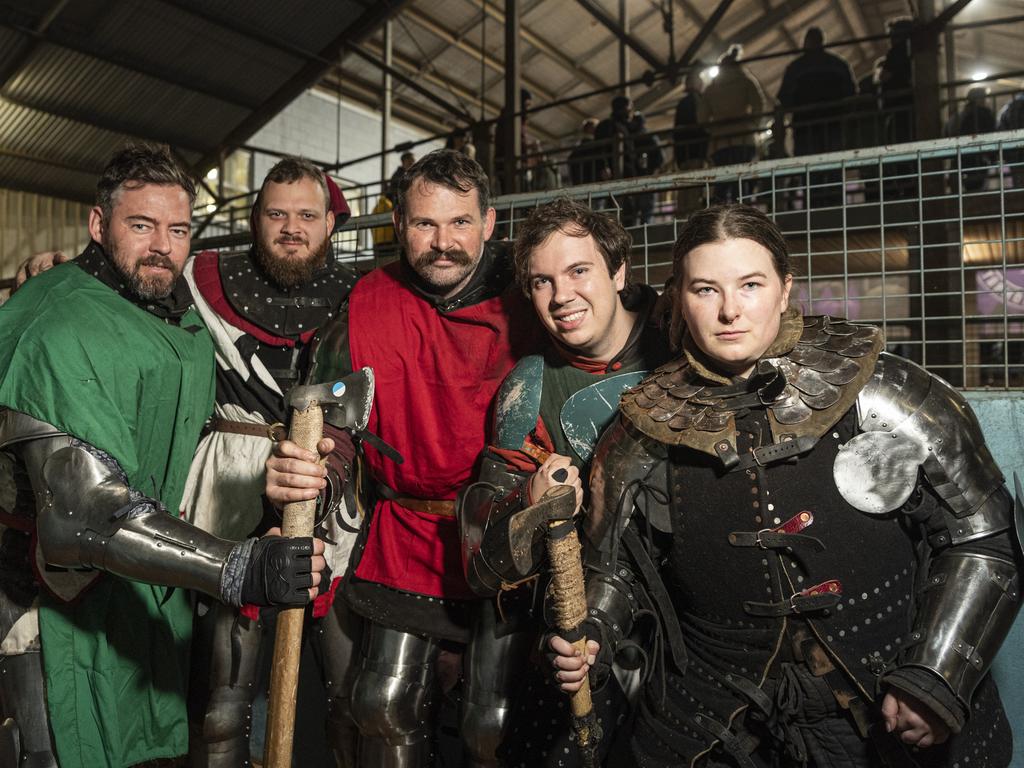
x=495 y=549
x=968 y=606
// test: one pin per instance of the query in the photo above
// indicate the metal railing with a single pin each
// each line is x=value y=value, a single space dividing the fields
x=925 y=239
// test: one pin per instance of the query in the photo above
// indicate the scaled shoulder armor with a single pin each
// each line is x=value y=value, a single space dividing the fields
x=912 y=421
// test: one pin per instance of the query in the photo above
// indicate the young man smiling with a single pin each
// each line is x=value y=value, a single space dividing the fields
x=573 y=265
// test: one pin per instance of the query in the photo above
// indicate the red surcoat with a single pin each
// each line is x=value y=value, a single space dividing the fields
x=436 y=377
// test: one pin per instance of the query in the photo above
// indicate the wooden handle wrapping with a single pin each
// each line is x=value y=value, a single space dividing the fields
x=570 y=599
x=306 y=431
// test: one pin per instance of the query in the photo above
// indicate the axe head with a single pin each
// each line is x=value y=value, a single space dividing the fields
x=346 y=402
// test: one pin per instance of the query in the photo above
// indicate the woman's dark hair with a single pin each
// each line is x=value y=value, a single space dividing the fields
x=718 y=223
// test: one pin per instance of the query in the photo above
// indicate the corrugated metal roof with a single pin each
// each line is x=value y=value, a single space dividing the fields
x=200 y=75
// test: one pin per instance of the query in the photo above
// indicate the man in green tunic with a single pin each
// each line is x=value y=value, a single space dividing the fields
x=106 y=378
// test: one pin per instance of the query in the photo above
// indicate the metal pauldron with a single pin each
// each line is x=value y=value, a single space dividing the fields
x=969 y=604
x=911 y=421
x=87 y=522
x=485 y=510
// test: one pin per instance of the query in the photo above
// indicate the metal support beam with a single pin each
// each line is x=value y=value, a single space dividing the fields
x=638 y=47
x=411 y=84
x=362 y=91
x=623 y=49
x=939 y=22
x=437 y=29
x=305 y=78
x=512 y=148
x=548 y=49
x=16 y=61
x=705 y=32
x=765 y=24
x=925 y=52
x=385 y=111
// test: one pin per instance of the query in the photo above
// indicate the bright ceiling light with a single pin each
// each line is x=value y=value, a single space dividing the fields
x=979 y=76
x=211 y=207
x=712 y=72
x=212 y=175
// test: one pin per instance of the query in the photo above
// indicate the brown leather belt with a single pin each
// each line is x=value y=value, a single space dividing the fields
x=445 y=507
x=275 y=431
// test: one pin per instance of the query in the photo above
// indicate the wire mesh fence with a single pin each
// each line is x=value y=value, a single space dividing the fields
x=924 y=239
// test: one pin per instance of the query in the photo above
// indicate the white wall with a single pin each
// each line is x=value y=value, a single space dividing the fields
x=313 y=126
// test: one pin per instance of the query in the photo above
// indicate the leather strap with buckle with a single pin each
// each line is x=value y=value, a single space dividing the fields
x=781 y=536
x=816 y=598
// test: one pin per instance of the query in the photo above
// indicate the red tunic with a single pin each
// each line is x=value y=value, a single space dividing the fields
x=436 y=377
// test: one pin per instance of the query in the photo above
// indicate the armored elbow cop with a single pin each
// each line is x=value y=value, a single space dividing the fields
x=93 y=519
x=915 y=425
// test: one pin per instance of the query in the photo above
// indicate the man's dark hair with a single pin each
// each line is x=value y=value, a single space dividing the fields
x=446 y=168
x=288 y=170
x=575 y=220
x=138 y=164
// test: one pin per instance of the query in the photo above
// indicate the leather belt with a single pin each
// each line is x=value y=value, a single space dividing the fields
x=443 y=507
x=275 y=431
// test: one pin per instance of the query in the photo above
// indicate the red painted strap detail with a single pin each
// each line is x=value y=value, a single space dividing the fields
x=833 y=586
x=207 y=276
x=796 y=523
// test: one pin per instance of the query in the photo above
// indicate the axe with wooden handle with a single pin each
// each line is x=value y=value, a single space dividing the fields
x=570 y=603
x=349 y=399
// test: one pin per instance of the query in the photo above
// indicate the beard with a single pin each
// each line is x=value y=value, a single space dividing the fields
x=286 y=272
x=440 y=279
x=146 y=288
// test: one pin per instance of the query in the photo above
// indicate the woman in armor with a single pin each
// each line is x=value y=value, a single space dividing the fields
x=818 y=525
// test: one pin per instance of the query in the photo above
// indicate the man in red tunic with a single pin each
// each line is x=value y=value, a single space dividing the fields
x=441 y=328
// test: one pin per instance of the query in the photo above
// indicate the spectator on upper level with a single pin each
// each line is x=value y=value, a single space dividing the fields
x=584 y=158
x=732 y=109
x=1011 y=117
x=810 y=86
x=975 y=117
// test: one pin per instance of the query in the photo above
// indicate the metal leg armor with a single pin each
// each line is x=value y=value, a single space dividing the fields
x=25 y=731
x=335 y=640
x=494 y=667
x=394 y=698
x=234 y=670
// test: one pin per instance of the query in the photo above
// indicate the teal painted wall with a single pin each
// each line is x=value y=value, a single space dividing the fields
x=1002 y=420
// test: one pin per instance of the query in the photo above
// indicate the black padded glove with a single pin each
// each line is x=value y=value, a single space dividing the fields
x=279 y=571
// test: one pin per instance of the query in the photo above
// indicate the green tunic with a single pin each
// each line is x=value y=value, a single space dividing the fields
x=76 y=355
